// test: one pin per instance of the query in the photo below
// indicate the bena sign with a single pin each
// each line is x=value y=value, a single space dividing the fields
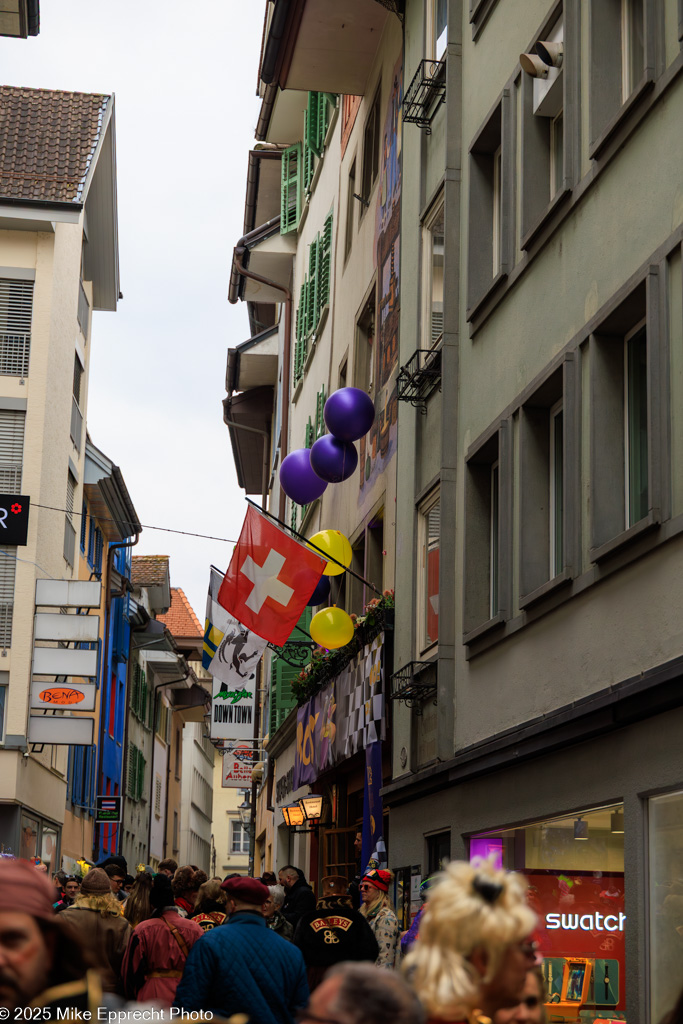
x=14 y=519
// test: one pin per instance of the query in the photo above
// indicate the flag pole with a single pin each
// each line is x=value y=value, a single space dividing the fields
x=309 y=543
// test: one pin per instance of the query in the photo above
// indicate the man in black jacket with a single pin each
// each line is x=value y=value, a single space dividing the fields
x=300 y=896
x=333 y=932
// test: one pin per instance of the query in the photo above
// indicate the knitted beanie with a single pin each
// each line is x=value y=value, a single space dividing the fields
x=95 y=883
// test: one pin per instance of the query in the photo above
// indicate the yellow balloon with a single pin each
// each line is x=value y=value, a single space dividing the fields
x=331 y=628
x=335 y=545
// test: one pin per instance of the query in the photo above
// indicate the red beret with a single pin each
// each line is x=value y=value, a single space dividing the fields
x=247 y=890
x=379 y=878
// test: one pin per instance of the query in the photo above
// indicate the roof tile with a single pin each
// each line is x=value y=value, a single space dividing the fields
x=47 y=142
x=149 y=570
x=180 y=618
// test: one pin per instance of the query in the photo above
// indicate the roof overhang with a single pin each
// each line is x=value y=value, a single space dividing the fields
x=250 y=447
x=264 y=173
x=270 y=255
x=254 y=363
x=19 y=18
x=108 y=495
x=319 y=46
x=193 y=703
x=101 y=256
x=281 y=118
x=34 y=215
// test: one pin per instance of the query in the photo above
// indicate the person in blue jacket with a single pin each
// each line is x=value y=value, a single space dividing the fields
x=243 y=966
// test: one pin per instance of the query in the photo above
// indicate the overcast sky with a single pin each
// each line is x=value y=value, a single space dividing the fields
x=184 y=77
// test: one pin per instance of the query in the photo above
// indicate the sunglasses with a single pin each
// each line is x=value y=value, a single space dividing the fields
x=367 y=885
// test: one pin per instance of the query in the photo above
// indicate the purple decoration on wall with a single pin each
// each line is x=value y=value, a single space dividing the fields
x=333 y=460
x=297 y=478
x=349 y=413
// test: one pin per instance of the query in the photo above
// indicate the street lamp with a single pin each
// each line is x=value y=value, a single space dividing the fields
x=312 y=807
x=244 y=811
x=293 y=815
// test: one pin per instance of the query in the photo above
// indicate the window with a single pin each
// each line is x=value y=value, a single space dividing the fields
x=314 y=296
x=490 y=205
x=543 y=101
x=176 y=831
x=623 y=35
x=157 y=796
x=635 y=425
x=84 y=524
x=177 y=753
x=665 y=826
x=8 y=566
x=364 y=358
x=290 y=189
x=69 y=531
x=438 y=852
x=626 y=432
x=83 y=311
x=487 y=533
x=3 y=702
x=574 y=866
x=350 y=210
x=371 y=137
x=78 y=379
x=99 y=545
x=432 y=276
x=429 y=527
x=545 y=502
x=437 y=28
x=11 y=450
x=16 y=308
x=239 y=838
x=76 y=403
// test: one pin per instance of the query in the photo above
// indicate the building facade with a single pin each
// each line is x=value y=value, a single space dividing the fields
x=58 y=237
x=538 y=703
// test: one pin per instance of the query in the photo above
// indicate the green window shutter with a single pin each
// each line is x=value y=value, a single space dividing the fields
x=312 y=121
x=319 y=418
x=310 y=435
x=130 y=770
x=282 y=676
x=322 y=122
x=140 y=775
x=313 y=302
x=326 y=263
x=133 y=695
x=290 y=189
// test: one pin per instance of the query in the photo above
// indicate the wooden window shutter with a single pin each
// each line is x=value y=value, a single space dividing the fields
x=322 y=122
x=319 y=418
x=130 y=770
x=140 y=775
x=290 y=192
x=313 y=302
x=310 y=434
x=315 y=101
x=326 y=262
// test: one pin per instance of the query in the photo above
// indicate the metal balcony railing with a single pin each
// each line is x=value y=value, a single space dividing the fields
x=414 y=684
x=420 y=377
x=425 y=94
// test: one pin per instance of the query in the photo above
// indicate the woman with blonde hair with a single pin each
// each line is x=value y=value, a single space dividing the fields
x=377 y=910
x=474 y=948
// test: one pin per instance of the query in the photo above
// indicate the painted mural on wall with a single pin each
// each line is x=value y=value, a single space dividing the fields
x=379 y=445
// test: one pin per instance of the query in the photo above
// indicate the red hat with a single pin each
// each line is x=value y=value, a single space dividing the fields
x=247 y=890
x=380 y=879
x=23 y=888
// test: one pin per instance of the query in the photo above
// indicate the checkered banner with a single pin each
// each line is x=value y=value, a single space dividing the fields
x=343 y=718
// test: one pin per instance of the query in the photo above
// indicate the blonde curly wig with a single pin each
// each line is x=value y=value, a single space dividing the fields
x=471 y=906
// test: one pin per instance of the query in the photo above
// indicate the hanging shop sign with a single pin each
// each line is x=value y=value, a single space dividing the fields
x=237 y=768
x=343 y=718
x=61 y=730
x=76 y=628
x=14 y=509
x=68 y=593
x=108 y=809
x=64 y=661
x=79 y=697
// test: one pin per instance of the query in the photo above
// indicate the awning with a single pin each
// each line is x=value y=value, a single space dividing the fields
x=267 y=253
x=254 y=363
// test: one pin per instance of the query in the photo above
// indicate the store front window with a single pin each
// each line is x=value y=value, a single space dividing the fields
x=666 y=901
x=575 y=869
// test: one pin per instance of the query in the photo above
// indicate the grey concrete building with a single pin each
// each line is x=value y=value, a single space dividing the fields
x=539 y=646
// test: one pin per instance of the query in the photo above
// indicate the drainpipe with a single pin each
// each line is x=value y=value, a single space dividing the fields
x=107 y=615
x=266 y=438
x=286 y=359
x=155 y=695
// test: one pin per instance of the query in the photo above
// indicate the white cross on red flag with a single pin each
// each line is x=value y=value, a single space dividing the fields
x=270 y=578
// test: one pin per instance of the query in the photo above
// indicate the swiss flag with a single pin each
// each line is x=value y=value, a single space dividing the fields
x=270 y=578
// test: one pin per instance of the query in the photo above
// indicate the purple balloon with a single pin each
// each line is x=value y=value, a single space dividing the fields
x=333 y=460
x=321 y=592
x=349 y=413
x=297 y=478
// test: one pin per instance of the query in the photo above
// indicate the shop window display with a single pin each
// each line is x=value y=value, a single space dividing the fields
x=575 y=869
x=666 y=901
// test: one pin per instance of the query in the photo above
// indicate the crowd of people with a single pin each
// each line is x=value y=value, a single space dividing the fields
x=266 y=951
